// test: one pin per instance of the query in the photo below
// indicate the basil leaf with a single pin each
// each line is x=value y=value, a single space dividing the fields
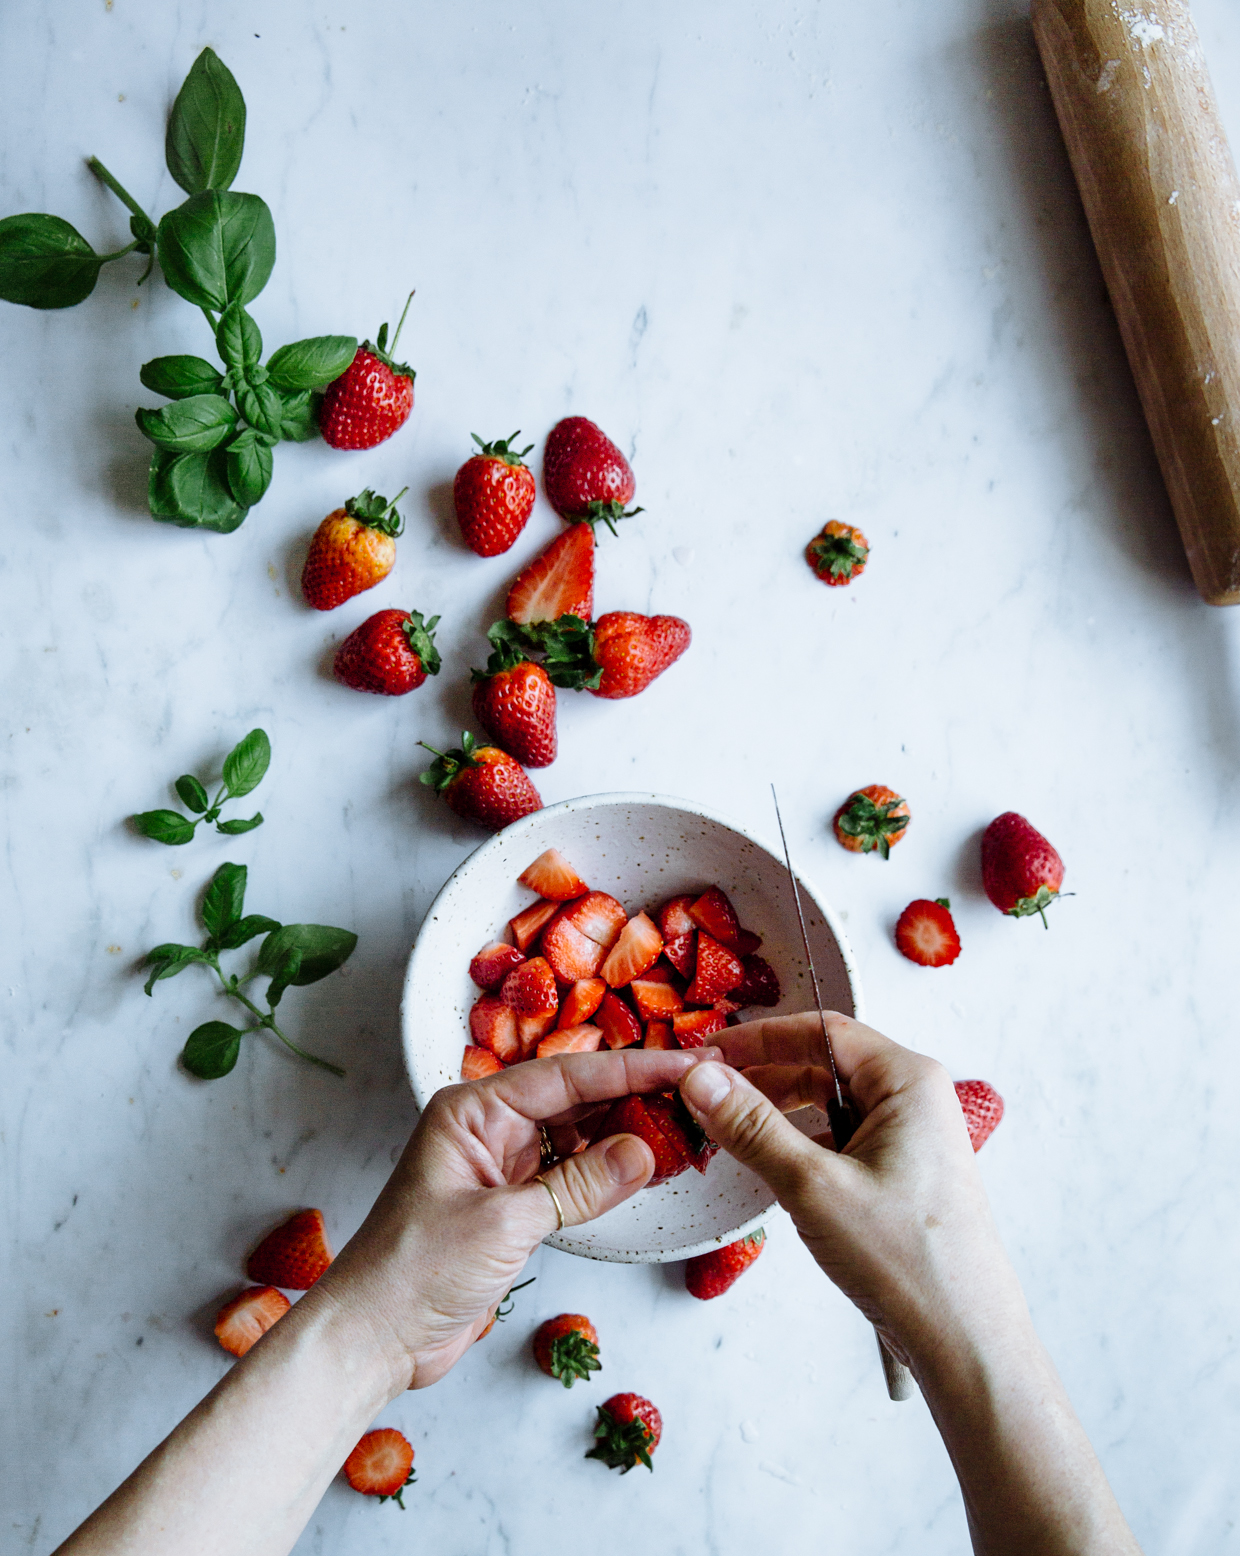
x=193 y=426
x=248 y=464
x=262 y=407
x=181 y=377
x=211 y=1050
x=193 y=795
x=235 y=828
x=238 y=339
x=225 y=898
x=310 y=364
x=245 y=929
x=300 y=415
x=192 y=490
x=322 y=948
x=246 y=764
x=166 y=961
x=288 y=970
x=218 y=247
x=44 y=262
x=206 y=128
x=164 y=826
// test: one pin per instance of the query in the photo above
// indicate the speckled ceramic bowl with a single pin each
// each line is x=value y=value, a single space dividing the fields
x=643 y=848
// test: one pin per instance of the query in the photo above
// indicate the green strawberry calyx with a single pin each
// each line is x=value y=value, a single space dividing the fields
x=565 y=646
x=621 y=1444
x=386 y=353
x=1026 y=907
x=449 y=765
x=502 y=449
x=874 y=825
x=421 y=636
x=377 y=512
x=839 y=555
x=398 y=1496
x=609 y=513
x=573 y=1356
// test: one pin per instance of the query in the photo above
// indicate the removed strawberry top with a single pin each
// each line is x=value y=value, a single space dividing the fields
x=628 y=1431
x=567 y=1348
x=381 y=1465
x=926 y=933
x=241 y=1323
x=838 y=553
x=558 y=582
x=493 y=494
x=294 y=1255
x=585 y=475
x=870 y=820
x=1021 y=871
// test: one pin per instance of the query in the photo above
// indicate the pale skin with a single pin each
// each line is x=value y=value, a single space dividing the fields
x=899 y=1221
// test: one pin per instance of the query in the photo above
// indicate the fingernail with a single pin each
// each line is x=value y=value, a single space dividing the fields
x=705 y=1086
x=626 y=1159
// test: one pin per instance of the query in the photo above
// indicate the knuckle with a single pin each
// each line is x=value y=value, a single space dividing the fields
x=576 y=1191
x=750 y=1127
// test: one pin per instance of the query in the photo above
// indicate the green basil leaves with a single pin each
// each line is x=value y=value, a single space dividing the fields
x=206 y=129
x=245 y=766
x=45 y=263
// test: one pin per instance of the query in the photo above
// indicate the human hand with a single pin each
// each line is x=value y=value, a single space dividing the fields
x=461 y=1214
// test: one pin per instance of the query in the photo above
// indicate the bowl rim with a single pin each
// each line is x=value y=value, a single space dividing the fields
x=613 y=798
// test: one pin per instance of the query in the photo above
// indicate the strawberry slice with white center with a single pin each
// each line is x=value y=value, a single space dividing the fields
x=241 y=1323
x=715 y=914
x=531 y=1030
x=926 y=933
x=634 y=952
x=716 y=974
x=655 y=1000
x=493 y=1025
x=659 y=1035
x=571 y=1040
x=552 y=876
x=558 y=582
x=529 y=923
x=693 y=1027
x=493 y=964
x=581 y=1001
x=674 y=918
x=599 y=916
x=621 y=1028
x=478 y=1062
x=572 y=955
x=530 y=989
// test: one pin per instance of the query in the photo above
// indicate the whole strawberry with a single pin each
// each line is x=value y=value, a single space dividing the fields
x=628 y=1432
x=482 y=783
x=371 y=398
x=494 y=495
x=983 y=1108
x=567 y=1348
x=585 y=474
x=391 y=653
x=631 y=650
x=711 y=1274
x=838 y=553
x=873 y=819
x=352 y=550
x=514 y=697
x=1021 y=872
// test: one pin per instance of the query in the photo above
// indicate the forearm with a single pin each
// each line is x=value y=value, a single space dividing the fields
x=244 y=1471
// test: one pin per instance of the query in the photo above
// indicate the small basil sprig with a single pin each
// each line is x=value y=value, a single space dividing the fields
x=291 y=955
x=244 y=769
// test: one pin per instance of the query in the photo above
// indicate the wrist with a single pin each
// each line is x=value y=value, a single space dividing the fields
x=340 y=1318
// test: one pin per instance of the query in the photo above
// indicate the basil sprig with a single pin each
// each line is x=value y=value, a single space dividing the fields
x=291 y=955
x=244 y=769
x=213 y=446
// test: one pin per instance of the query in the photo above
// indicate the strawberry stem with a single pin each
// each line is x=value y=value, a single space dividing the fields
x=401 y=325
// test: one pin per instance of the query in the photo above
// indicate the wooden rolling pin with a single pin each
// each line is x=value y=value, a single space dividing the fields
x=1158 y=182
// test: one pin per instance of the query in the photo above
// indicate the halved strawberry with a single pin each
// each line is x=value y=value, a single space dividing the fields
x=294 y=1255
x=681 y=951
x=599 y=916
x=493 y=964
x=715 y=914
x=693 y=1027
x=636 y=950
x=531 y=1030
x=655 y=1000
x=241 y=1323
x=926 y=933
x=381 y=1465
x=478 y=1062
x=674 y=918
x=553 y=877
x=572 y=955
x=581 y=1001
x=528 y=924
x=570 y=1040
x=621 y=1028
x=760 y=984
x=716 y=973
x=493 y=1025
x=659 y=1035
x=530 y=989
x=747 y=943
x=558 y=582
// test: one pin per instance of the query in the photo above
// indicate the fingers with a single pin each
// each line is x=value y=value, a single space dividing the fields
x=546 y=1088
x=798 y=1040
x=587 y=1185
x=792 y=1086
x=751 y=1129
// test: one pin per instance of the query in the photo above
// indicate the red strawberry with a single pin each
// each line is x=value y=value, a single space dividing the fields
x=661 y=972
x=634 y=952
x=681 y=951
x=493 y=1025
x=572 y=954
x=482 y=784
x=874 y=818
x=494 y=495
x=632 y=650
x=478 y=1062
x=585 y=474
x=528 y=924
x=567 y=1348
x=553 y=877
x=381 y=1465
x=571 y=1040
x=530 y=989
x=620 y=1026
x=241 y=1323
x=558 y=582
x=926 y=933
x=983 y=1108
x=581 y=1001
x=514 y=699
x=352 y=550
x=747 y=943
x=838 y=553
x=628 y=1432
x=493 y=964
x=390 y=653
x=659 y=1035
x=1021 y=872
x=715 y=914
x=531 y=1030
x=371 y=398
x=598 y=915
x=759 y=985
x=716 y=972
x=294 y=1255
x=655 y=1000
x=711 y=1274
x=667 y=1127
x=726 y=1006
x=674 y=918
x=693 y=1027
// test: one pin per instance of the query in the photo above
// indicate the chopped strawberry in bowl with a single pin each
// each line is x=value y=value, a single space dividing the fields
x=610 y=923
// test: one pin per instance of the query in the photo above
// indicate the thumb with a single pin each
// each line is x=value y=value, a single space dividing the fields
x=750 y=1128
x=584 y=1186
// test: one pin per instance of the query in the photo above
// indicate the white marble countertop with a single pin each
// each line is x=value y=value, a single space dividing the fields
x=803 y=262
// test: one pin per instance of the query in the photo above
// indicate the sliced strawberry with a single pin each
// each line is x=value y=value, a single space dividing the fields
x=717 y=972
x=241 y=1323
x=693 y=1027
x=715 y=914
x=639 y=1116
x=294 y=1255
x=726 y=1007
x=674 y=918
x=581 y=1001
x=571 y=953
x=531 y=1030
x=530 y=989
x=760 y=984
x=926 y=933
x=599 y=916
x=553 y=877
x=747 y=943
x=478 y=1062
x=636 y=950
x=655 y=1000
x=528 y=924
x=570 y=1040
x=493 y=964
x=681 y=951
x=659 y=1035
x=663 y=972
x=493 y=1025
x=621 y=1028
x=558 y=582
x=381 y=1465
